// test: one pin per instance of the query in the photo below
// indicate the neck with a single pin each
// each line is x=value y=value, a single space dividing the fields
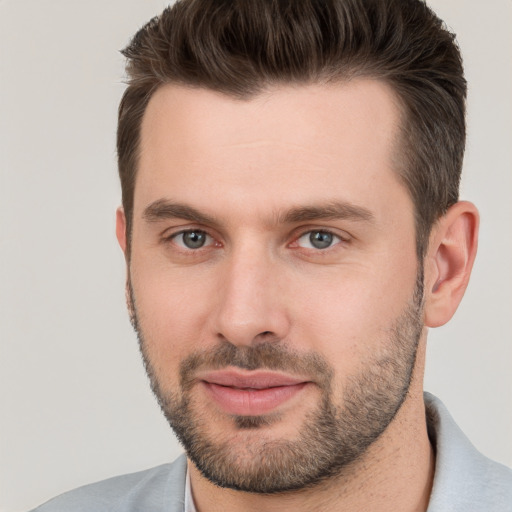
x=396 y=473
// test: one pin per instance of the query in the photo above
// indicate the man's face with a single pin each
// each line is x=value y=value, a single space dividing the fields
x=273 y=277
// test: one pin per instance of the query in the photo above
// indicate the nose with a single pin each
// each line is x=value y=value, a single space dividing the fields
x=251 y=306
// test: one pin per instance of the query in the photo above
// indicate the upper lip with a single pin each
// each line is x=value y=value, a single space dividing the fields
x=250 y=380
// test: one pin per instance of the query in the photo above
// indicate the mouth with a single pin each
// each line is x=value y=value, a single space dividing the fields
x=251 y=393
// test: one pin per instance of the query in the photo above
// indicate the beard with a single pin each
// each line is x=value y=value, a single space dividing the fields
x=333 y=436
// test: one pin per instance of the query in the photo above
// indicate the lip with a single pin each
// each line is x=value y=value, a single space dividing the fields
x=251 y=393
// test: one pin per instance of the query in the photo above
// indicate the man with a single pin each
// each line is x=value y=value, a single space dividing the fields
x=291 y=228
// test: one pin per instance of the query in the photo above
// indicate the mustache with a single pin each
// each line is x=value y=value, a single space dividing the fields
x=270 y=355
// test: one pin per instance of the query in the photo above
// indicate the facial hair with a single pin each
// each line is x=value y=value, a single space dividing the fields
x=333 y=436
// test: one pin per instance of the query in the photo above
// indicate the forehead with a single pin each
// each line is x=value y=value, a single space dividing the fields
x=293 y=145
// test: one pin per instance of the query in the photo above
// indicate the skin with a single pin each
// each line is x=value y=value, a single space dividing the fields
x=244 y=165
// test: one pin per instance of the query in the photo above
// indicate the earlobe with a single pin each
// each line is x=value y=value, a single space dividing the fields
x=451 y=253
x=121 y=228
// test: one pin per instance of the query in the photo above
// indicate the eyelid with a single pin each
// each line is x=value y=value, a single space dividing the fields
x=170 y=234
x=172 y=231
x=342 y=235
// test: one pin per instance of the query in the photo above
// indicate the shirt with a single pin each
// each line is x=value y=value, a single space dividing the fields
x=189 y=500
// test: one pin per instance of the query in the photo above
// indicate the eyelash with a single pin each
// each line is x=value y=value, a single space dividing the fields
x=328 y=232
x=171 y=238
x=293 y=245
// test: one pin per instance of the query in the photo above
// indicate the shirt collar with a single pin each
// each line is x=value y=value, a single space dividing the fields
x=189 y=500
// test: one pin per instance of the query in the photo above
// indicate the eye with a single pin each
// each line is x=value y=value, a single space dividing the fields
x=318 y=239
x=192 y=239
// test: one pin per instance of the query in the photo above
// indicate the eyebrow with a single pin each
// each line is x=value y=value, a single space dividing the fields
x=335 y=210
x=163 y=209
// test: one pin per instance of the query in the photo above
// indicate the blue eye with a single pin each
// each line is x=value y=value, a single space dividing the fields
x=192 y=239
x=318 y=239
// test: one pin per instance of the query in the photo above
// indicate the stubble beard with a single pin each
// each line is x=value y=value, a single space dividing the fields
x=333 y=436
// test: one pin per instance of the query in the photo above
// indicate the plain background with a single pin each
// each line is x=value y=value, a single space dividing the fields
x=75 y=404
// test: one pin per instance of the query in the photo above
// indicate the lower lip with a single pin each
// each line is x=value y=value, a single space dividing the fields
x=251 y=402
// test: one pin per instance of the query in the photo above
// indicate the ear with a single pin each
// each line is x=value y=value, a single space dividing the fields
x=121 y=238
x=121 y=229
x=449 y=260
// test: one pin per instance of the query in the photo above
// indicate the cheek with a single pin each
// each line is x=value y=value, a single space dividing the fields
x=347 y=316
x=172 y=309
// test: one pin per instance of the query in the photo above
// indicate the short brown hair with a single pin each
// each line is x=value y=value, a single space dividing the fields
x=240 y=47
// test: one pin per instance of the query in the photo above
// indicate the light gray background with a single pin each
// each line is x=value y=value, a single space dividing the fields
x=75 y=405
